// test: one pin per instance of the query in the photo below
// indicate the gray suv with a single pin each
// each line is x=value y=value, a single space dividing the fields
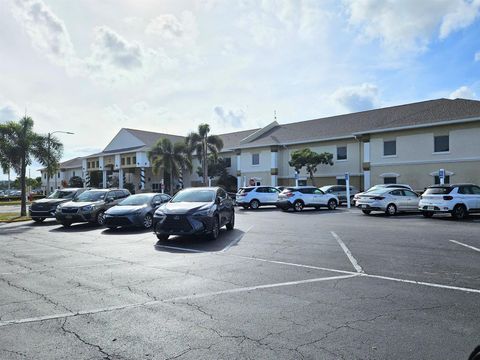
x=89 y=206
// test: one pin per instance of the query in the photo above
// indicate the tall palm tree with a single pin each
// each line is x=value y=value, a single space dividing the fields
x=19 y=144
x=202 y=145
x=173 y=158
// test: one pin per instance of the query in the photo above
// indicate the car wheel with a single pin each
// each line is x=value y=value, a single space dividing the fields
x=231 y=224
x=332 y=204
x=147 y=221
x=66 y=224
x=298 y=205
x=38 y=219
x=254 y=204
x=215 y=229
x=459 y=212
x=366 y=212
x=427 y=214
x=100 y=218
x=391 y=210
x=162 y=237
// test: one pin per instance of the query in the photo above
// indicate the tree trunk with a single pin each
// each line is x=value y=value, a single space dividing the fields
x=23 y=206
x=311 y=178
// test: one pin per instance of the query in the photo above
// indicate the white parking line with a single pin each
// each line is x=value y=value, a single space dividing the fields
x=237 y=239
x=354 y=262
x=180 y=248
x=467 y=246
x=178 y=298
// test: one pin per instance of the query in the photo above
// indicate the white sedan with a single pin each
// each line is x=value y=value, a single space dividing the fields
x=390 y=201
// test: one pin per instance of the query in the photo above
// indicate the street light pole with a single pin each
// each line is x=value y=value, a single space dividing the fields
x=49 y=136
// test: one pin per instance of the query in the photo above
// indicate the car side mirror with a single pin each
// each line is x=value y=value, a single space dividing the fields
x=157 y=203
x=109 y=200
x=218 y=200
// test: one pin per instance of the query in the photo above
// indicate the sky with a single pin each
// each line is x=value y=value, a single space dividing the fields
x=92 y=67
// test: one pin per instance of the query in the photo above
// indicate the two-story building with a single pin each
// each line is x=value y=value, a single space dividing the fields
x=404 y=144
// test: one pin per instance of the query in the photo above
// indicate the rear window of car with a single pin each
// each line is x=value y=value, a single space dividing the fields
x=437 y=190
x=244 y=190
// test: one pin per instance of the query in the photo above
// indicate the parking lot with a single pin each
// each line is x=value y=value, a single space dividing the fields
x=316 y=284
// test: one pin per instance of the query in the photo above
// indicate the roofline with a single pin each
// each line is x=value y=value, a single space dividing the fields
x=440 y=123
x=298 y=142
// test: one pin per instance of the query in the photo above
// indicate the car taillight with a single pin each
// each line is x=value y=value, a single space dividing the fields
x=241 y=194
x=378 y=198
x=289 y=194
x=448 y=197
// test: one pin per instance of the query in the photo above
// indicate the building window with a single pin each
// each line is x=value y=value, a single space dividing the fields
x=129 y=160
x=390 y=180
x=441 y=143
x=256 y=159
x=97 y=164
x=45 y=175
x=134 y=160
x=228 y=162
x=341 y=153
x=446 y=180
x=390 y=148
x=341 y=182
x=123 y=161
x=73 y=173
x=58 y=175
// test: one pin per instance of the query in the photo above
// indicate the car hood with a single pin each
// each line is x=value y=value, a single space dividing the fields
x=184 y=207
x=77 y=204
x=49 y=201
x=123 y=210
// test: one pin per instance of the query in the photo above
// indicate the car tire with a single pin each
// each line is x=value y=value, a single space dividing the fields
x=230 y=225
x=366 y=212
x=391 y=210
x=427 y=214
x=298 y=206
x=254 y=204
x=215 y=229
x=66 y=224
x=38 y=219
x=332 y=204
x=459 y=212
x=100 y=218
x=162 y=237
x=147 y=221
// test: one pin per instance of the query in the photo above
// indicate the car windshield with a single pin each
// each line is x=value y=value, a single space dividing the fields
x=438 y=190
x=134 y=200
x=244 y=190
x=194 y=196
x=61 y=194
x=91 y=196
x=325 y=188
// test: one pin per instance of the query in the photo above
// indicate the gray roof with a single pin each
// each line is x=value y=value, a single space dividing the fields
x=72 y=163
x=415 y=114
x=232 y=140
x=149 y=138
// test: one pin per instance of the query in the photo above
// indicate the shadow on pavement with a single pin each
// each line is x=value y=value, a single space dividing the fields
x=128 y=230
x=77 y=228
x=192 y=244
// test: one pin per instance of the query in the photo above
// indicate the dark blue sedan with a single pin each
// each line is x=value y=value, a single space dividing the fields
x=136 y=210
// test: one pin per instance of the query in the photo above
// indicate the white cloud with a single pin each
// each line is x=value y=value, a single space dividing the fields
x=357 y=98
x=177 y=31
x=477 y=56
x=235 y=118
x=409 y=25
x=9 y=112
x=47 y=32
x=463 y=92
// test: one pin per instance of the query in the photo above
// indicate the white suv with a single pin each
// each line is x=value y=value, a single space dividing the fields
x=303 y=196
x=458 y=200
x=255 y=196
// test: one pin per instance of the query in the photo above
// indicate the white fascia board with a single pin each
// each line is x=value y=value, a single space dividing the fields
x=296 y=142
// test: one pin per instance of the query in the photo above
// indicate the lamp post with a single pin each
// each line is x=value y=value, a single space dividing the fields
x=49 y=136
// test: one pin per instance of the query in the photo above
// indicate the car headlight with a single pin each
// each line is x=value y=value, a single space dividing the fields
x=137 y=212
x=205 y=212
x=58 y=208
x=87 y=208
x=159 y=214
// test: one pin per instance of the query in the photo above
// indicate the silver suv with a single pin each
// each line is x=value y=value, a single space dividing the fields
x=89 y=206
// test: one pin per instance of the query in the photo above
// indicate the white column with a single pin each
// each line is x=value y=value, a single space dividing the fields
x=366 y=159
x=104 y=179
x=121 y=178
x=142 y=178
x=274 y=167
x=239 y=170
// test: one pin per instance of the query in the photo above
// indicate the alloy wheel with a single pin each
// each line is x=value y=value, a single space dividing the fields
x=148 y=221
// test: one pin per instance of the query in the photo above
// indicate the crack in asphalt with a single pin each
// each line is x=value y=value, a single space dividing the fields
x=14 y=352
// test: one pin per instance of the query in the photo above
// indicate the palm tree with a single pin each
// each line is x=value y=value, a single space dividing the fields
x=172 y=157
x=19 y=144
x=202 y=144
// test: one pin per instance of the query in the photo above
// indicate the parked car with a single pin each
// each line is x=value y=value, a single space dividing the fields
x=340 y=191
x=135 y=210
x=45 y=208
x=388 y=200
x=90 y=206
x=195 y=211
x=381 y=186
x=457 y=199
x=300 y=197
x=255 y=196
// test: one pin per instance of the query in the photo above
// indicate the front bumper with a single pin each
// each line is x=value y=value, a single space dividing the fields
x=182 y=225
x=75 y=217
x=123 y=220
x=42 y=213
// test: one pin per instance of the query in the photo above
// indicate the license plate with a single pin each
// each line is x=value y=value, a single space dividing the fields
x=364 y=206
x=68 y=216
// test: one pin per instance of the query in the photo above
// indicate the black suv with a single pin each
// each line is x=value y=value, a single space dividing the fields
x=195 y=211
x=45 y=208
x=90 y=206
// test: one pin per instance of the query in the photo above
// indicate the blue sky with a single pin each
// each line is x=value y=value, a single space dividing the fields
x=93 y=67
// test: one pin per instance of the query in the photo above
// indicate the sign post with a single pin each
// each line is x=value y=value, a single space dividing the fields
x=347 y=183
x=162 y=186
x=296 y=177
x=441 y=175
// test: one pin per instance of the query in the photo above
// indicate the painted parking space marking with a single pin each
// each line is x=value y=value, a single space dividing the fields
x=236 y=240
x=345 y=249
x=179 y=248
x=467 y=246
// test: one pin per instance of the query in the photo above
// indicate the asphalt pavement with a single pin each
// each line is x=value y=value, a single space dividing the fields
x=311 y=285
